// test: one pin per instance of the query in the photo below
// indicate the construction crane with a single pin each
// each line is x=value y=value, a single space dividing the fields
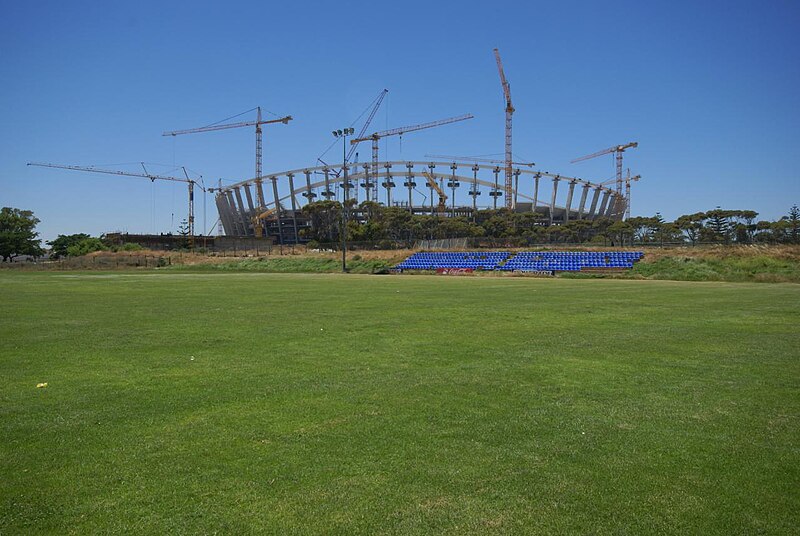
x=472 y=159
x=257 y=221
x=257 y=123
x=627 y=181
x=509 y=113
x=376 y=104
x=442 y=207
x=191 y=183
x=376 y=136
x=617 y=150
x=378 y=101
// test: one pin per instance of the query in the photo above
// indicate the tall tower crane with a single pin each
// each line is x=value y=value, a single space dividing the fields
x=354 y=146
x=257 y=123
x=375 y=105
x=509 y=113
x=628 y=180
x=617 y=150
x=376 y=136
x=146 y=175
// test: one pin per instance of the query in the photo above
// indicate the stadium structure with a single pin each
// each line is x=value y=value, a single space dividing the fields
x=270 y=205
x=253 y=208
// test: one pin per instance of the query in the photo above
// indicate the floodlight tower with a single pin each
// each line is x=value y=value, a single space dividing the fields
x=343 y=133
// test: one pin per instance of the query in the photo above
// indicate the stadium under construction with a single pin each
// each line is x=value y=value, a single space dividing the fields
x=270 y=205
x=421 y=187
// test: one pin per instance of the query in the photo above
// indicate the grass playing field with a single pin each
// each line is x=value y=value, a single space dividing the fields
x=290 y=403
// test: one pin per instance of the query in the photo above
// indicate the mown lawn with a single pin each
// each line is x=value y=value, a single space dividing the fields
x=357 y=404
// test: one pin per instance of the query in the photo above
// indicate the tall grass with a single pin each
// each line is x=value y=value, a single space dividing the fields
x=757 y=268
x=293 y=264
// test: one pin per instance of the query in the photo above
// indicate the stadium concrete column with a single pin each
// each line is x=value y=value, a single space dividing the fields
x=410 y=184
x=553 y=199
x=234 y=212
x=309 y=193
x=354 y=176
x=388 y=184
x=569 y=200
x=431 y=167
x=612 y=203
x=294 y=206
x=242 y=211
x=496 y=191
x=602 y=211
x=583 y=201
x=595 y=196
x=474 y=193
x=249 y=196
x=536 y=178
x=278 y=209
x=366 y=184
x=327 y=193
x=516 y=185
x=224 y=216
x=453 y=184
x=620 y=207
x=260 y=193
x=219 y=201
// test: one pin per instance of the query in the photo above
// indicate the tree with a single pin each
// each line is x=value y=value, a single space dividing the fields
x=691 y=225
x=183 y=232
x=620 y=232
x=18 y=235
x=793 y=219
x=86 y=246
x=325 y=220
x=59 y=246
x=718 y=228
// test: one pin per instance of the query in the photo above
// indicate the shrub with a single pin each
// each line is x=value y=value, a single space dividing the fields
x=86 y=246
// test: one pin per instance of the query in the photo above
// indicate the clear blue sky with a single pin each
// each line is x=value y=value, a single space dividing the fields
x=710 y=90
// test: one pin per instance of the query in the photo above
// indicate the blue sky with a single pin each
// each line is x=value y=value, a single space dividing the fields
x=710 y=90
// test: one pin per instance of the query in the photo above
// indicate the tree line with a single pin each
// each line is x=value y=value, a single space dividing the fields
x=391 y=225
x=372 y=222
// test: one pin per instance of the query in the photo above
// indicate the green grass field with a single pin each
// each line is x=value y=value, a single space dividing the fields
x=302 y=403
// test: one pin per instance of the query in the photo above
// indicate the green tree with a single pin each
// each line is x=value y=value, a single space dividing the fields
x=18 y=235
x=621 y=232
x=325 y=220
x=59 y=246
x=718 y=225
x=183 y=232
x=86 y=246
x=793 y=219
x=691 y=225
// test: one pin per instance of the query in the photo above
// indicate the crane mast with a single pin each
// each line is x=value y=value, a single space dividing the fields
x=364 y=128
x=146 y=175
x=257 y=123
x=617 y=150
x=509 y=113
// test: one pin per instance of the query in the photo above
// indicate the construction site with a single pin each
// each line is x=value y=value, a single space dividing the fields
x=269 y=205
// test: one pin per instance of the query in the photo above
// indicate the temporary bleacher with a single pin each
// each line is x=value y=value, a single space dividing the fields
x=570 y=261
x=480 y=260
x=526 y=261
